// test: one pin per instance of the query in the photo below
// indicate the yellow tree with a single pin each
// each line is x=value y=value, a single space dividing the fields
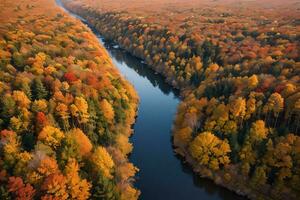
x=251 y=107
x=252 y=82
x=123 y=144
x=51 y=136
x=278 y=105
x=77 y=188
x=102 y=161
x=41 y=167
x=23 y=159
x=63 y=112
x=275 y=103
x=21 y=99
x=238 y=108
x=210 y=151
x=10 y=147
x=82 y=106
x=107 y=110
x=47 y=166
x=39 y=106
x=79 y=110
x=258 y=131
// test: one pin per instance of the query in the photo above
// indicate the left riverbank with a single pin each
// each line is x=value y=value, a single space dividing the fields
x=65 y=113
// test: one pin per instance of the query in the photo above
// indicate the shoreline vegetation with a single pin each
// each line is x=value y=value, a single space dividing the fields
x=65 y=111
x=238 y=121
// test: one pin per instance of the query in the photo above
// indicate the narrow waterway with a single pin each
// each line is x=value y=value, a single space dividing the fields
x=162 y=175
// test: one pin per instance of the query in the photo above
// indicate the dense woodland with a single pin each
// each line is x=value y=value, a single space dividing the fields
x=238 y=68
x=65 y=112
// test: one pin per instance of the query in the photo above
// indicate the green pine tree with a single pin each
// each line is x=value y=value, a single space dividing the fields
x=38 y=89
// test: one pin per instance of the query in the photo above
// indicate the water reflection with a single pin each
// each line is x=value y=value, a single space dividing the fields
x=142 y=69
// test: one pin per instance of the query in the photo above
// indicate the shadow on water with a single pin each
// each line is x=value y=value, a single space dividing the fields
x=163 y=175
x=157 y=80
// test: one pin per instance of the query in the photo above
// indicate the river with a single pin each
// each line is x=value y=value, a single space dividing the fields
x=162 y=175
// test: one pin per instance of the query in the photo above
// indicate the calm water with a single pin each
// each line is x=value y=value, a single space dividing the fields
x=162 y=175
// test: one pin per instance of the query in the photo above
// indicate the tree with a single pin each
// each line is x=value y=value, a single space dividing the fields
x=220 y=115
x=39 y=106
x=10 y=148
x=238 y=108
x=248 y=156
x=7 y=109
x=18 y=60
x=191 y=118
x=41 y=119
x=77 y=188
x=126 y=171
x=20 y=190
x=23 y=160
x=278 y=105
x=258 y=131
x=63 y=112
x=51 y=136
x=107 y=110
x=102 y=162
x=288 y=90
x=46 y=166
x=252 y=82
x=210 y=151
x=275 y=103
x=104 y=188
x=69 y=149
x=15 y=124
x=280 y=156
x=79 y=110
x=183 y=136
x=38 y=89
x=55 y=186
x=21 y=99
x=123 y=144
x=82 y=106
x=70 y=77
x=251 y=107
x=84 y=144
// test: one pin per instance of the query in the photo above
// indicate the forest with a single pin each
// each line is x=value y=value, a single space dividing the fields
x=65 y=111
x=237 y=66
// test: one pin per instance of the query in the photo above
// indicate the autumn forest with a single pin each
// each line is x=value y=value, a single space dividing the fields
x=67 y=113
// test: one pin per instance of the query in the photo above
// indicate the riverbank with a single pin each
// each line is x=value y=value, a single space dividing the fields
x=65 y=111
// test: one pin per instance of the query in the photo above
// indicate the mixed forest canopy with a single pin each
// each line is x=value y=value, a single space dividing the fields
x=237 y=65
x=65 y=112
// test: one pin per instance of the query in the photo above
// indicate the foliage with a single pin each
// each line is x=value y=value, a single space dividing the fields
x=238 y=77
x=56 y=103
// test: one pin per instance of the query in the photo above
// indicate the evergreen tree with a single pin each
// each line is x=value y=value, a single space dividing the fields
x=38 y=89
x=7 y=109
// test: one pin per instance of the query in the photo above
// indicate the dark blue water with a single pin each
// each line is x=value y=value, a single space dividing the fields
x=162 y=175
